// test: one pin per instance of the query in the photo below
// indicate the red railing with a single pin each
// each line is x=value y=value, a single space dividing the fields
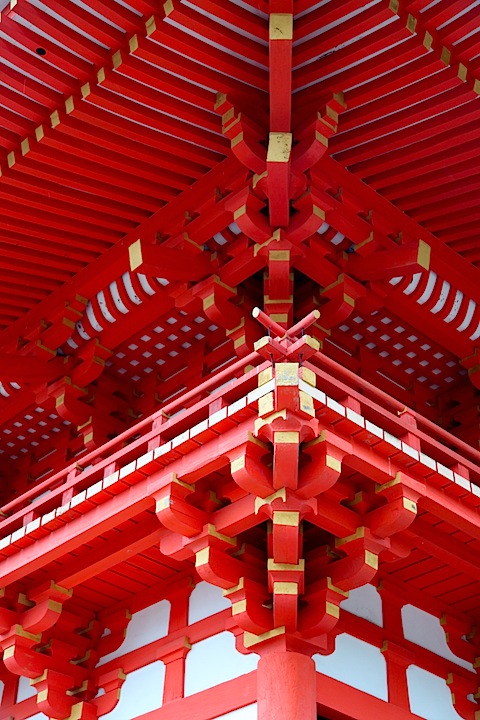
x=177 y=416
x=386 y=406
x=167 y=422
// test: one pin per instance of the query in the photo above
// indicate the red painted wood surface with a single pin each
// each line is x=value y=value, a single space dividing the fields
x=165 y=169
x=286 y=686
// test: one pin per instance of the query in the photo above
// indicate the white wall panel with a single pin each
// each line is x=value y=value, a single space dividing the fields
x=425 y=630
x=206 y=600
x=145 y=626
x=356 y=663
x=25 y=690
x=430 y=696
x=365 y=602
x=141 y=692
x=214 y=661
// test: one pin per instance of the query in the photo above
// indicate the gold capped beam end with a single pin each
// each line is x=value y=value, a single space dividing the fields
x=281 y=26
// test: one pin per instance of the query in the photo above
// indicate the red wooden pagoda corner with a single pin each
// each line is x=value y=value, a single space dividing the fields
x=239 y=360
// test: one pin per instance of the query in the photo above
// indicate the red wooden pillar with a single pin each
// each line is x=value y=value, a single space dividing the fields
x=175 y=672
x=398 y=660
x=286 y=687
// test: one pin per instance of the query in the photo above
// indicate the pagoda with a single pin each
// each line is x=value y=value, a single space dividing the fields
x=239 y=360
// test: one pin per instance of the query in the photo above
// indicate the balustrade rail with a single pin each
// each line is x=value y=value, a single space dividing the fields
x=340 y=396
x=164 y=424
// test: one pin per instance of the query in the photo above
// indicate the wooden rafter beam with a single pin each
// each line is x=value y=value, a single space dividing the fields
x=169 y=220
x=280 y=93
x=126 y=545
x=444 y=261
x=446 y=548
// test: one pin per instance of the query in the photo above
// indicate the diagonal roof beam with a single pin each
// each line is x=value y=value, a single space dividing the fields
x=441 y=262
x=169 y=219
x=354 y=192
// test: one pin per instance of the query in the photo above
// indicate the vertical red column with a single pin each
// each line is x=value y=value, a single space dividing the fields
x=175 y=659
x=286 y=687
x=398 y=660
x=397 y=657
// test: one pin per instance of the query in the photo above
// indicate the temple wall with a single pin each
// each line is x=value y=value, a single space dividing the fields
x=215 y=661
